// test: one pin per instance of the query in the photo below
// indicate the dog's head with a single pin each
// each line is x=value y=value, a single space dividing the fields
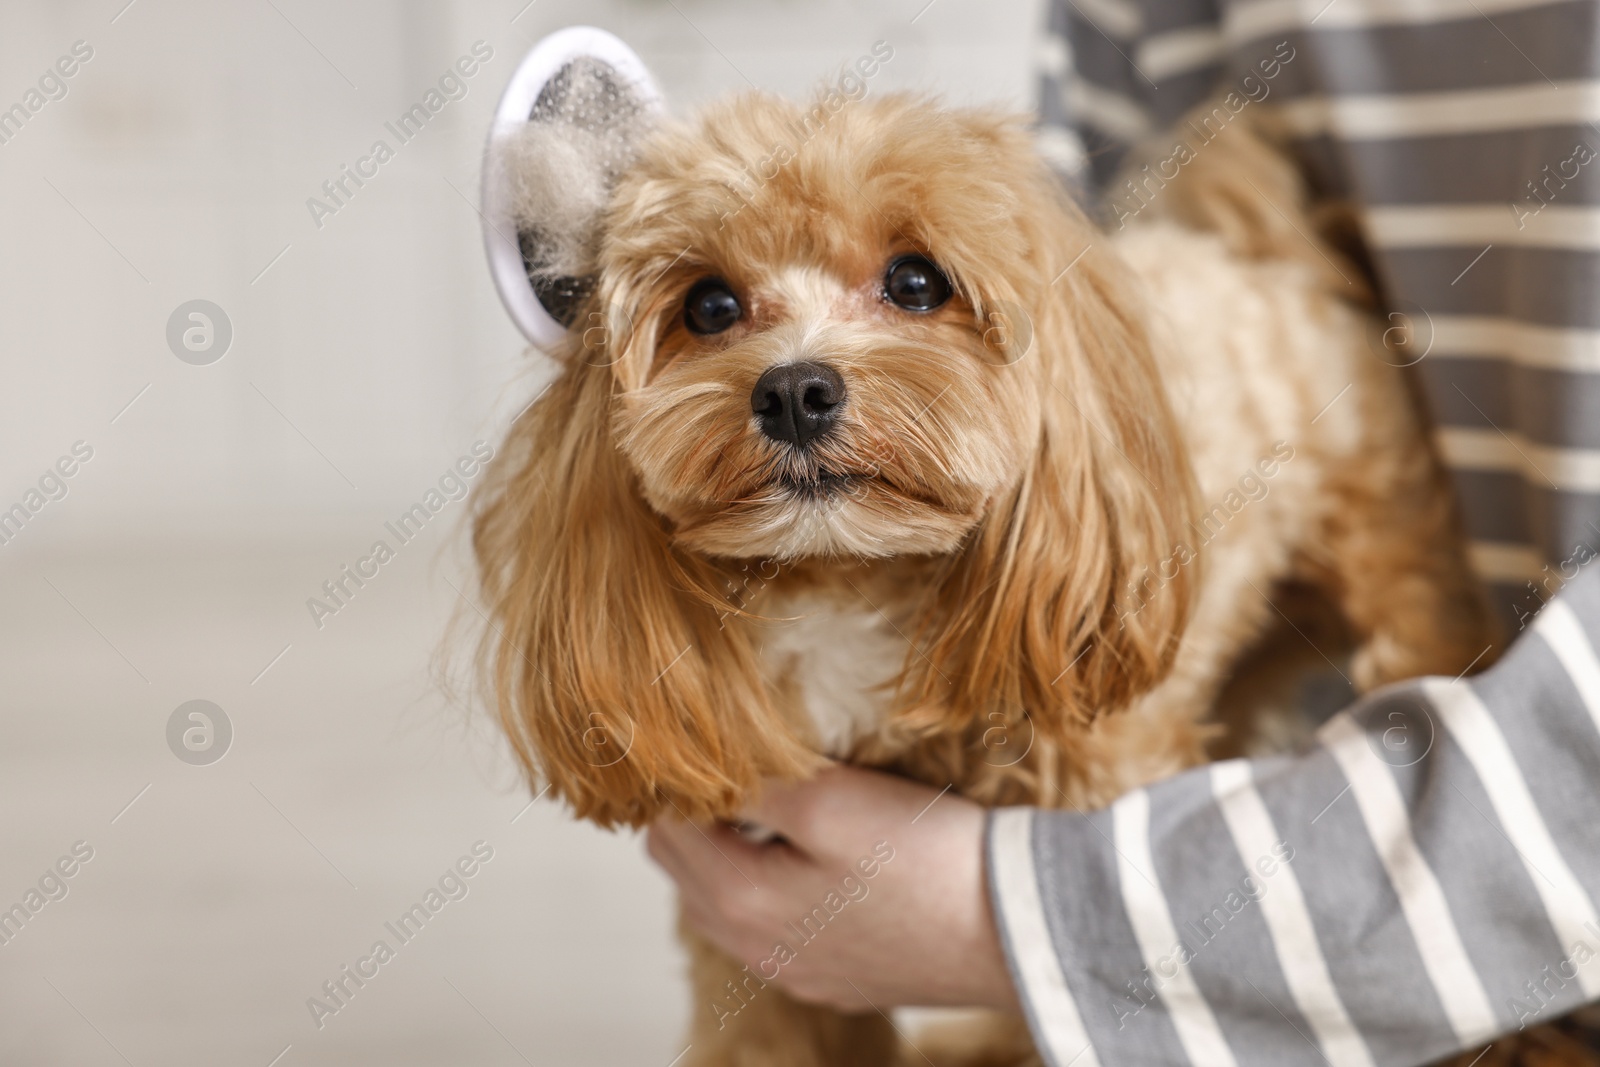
x=826 y=351
x=864 y=329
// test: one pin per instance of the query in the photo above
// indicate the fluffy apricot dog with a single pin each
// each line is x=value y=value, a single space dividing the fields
x=870 y=446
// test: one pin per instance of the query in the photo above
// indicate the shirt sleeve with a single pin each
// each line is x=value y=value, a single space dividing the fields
x=1420 y=881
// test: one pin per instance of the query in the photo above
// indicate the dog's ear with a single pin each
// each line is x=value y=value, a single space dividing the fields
x=1035 y=616
x=615 y=677
x=568 y=126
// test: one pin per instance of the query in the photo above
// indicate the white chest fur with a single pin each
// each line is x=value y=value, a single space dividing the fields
x=837 y=658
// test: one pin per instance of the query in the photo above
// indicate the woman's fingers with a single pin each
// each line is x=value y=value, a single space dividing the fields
x=839 y=811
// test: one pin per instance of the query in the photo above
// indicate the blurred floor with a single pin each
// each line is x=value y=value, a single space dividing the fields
x=225 y=895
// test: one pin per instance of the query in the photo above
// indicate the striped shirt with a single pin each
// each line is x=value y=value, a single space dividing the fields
x=1423 y=879
x=1426 y=876
x=1465 y=131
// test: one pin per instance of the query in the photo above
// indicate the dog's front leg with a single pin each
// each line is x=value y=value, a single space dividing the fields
x=740 y=1020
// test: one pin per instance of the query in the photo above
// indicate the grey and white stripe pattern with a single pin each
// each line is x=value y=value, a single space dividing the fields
x=1423 y=879
x=1466 y=131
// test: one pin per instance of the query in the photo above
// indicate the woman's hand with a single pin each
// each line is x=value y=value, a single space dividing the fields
x=874 y=898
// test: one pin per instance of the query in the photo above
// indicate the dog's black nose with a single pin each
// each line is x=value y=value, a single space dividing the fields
x=798 y=402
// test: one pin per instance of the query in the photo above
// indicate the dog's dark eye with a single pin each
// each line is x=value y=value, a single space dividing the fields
x=711 y=307
x=915 y=284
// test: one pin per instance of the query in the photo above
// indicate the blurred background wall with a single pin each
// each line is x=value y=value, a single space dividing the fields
x=367 y=353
